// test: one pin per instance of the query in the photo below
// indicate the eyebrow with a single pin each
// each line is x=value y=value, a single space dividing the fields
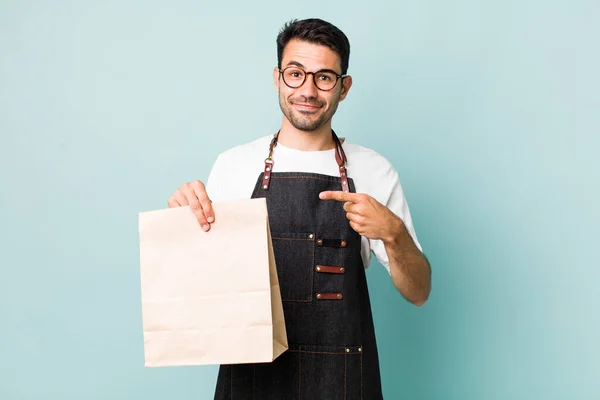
x=297 y=64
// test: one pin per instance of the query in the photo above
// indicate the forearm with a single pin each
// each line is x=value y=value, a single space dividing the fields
x=410 y=270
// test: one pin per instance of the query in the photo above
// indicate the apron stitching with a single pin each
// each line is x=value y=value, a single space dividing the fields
x=345 y=373
x=332 y=179
x=312 y=273
x=280 y=238
x=323 y=352
x=299 y=374
x=361 y=374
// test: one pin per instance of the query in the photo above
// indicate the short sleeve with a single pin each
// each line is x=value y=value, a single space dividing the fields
x=396 y=202
x=232 y=177
x=216 y=184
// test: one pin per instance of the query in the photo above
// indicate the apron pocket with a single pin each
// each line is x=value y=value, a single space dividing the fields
x=329 y=372
x=331 y=268
x=295 y=259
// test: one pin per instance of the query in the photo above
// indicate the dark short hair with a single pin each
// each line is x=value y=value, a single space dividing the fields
x=315 y=31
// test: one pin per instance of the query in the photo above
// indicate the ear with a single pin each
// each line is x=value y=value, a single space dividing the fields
x=346 y=84
x=276 y=78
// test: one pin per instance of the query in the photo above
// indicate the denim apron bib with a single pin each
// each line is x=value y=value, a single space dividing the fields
x=332 y=349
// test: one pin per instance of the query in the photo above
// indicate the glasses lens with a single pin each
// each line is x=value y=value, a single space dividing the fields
x=325 y=80
x=293 y=77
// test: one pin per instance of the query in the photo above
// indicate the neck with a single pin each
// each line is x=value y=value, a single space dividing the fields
x=317 y=140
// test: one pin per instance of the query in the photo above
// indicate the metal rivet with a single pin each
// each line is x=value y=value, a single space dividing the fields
x=347 y=350
x=267 y=177
x=342 y=269
x=360 y=349
x=268 y=168
x=344 y=243
x=318 y=268
x=264 y=187
x=318 y=295
x=343 y=174
x=339 y=296
x=320 y=242
x=311 y=236
x=343 y=183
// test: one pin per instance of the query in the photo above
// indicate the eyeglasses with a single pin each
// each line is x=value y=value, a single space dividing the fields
x=294 y=77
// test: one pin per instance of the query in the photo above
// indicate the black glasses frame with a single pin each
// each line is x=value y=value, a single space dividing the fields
x=337 y=76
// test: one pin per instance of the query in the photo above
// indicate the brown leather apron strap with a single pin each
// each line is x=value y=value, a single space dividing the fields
x=340 y=158
x=269 y=163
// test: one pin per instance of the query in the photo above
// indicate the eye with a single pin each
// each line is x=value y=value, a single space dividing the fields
x=325 y=77
x=294 y=73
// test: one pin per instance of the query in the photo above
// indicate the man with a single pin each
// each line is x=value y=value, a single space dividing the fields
x=330 y=204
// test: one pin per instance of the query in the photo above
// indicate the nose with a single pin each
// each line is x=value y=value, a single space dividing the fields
x=308 y=88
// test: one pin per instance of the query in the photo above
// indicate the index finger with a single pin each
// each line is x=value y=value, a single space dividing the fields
x=338 y=195
x=205 y=202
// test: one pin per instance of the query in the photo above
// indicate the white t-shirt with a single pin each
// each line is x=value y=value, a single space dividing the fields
x=236 y=171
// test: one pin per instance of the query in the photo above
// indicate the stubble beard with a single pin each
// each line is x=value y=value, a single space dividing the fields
x=306 y=122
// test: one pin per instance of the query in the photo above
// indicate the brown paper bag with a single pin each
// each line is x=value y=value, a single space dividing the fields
x=210 y=297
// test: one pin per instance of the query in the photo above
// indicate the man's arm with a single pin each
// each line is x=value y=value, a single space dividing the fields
x=410 y=269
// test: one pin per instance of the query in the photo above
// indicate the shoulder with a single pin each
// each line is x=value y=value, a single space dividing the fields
x=364 y=157
x=245 y=152
x=372 y=173
x=236 y=169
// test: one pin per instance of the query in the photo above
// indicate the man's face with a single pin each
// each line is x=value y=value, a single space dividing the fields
x=307 y=107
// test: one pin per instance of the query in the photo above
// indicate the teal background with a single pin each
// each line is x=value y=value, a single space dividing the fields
x=489 y=111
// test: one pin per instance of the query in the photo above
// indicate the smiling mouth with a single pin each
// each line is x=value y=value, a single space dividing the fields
x=305 y=107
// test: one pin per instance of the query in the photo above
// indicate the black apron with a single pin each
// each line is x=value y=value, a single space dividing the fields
x=332 y=350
